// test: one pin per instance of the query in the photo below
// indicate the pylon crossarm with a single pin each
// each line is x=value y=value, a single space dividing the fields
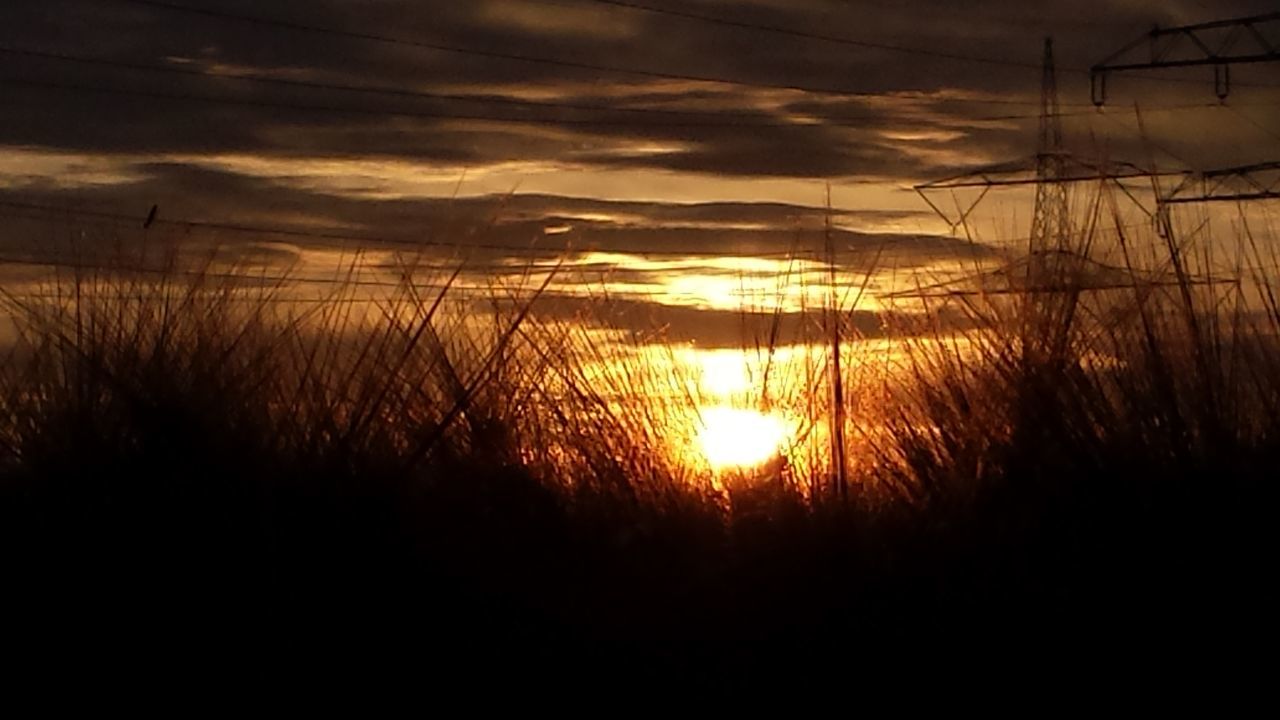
x=1226 y=41
x=1244 y=169
x=1221 y=44
x=1259 y=181
x=1053 y=288
x=979 y=176
x=1078 y=171
x=1233 y=197
x=1094 y=177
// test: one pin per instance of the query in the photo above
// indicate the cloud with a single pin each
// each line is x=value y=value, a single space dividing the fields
x=383 y=163
x=674 y=171
x=241 y=193
x=893 y=136
x=560 y=20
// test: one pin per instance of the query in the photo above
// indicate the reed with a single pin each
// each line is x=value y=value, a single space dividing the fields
x=468 y=472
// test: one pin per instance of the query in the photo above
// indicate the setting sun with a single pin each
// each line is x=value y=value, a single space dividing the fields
x=736 y=438
x=645 y=343
x=724 y=372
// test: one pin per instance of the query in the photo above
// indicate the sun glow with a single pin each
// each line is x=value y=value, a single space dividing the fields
x=724 y=372
x=732 y=438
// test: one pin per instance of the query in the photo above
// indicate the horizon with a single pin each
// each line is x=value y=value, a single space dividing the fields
x=700 y=340
x=642 y=129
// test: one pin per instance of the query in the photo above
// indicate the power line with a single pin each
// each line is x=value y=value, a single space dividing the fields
x=266 y=280
x=1257 y=125
x=713 y=116
x=352 y=110
x=1147 y=139
x=968 y=13
x=496 y=99
x=349 y=238
x=519 y=57
x=269 y=282
x=780 y=30
x=890 y=47
x=370 y=89
x=495 y=54
x=274 y=282
x=817 y=123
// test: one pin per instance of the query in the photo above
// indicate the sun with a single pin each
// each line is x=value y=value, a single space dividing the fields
x=724 y=373
x=732 y=438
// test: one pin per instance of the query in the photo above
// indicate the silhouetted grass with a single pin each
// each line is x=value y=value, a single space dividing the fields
x=280 y=485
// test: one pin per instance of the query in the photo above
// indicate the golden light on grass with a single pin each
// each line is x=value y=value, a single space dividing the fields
x=733 y=438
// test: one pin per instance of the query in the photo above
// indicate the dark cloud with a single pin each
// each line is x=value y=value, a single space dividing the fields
x=709 y=329
x=907 y=117
x=574 y=31
x=189 y=197
x=704 y=328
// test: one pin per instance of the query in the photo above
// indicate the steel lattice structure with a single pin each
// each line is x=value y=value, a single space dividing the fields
x=1057 y=265
x=1260 y=181
x=1069 y=169
x=1221 y=44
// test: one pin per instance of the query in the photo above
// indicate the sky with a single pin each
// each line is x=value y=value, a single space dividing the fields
x=640 y=125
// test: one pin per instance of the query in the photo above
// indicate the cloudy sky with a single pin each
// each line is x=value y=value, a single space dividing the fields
x=509 y=120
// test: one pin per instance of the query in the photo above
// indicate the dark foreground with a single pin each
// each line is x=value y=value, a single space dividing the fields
x=211 y=558
x=187 y=491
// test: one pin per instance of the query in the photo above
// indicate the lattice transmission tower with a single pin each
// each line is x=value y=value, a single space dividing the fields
x=1220 y=44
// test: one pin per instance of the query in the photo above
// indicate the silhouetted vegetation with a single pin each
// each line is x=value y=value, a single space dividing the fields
x=280 y=487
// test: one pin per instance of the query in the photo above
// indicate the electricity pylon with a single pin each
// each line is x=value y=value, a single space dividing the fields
x=1051 y=169
x=1052 y=242
x=1222 y=43
x=1051 y=223
x=1073 y=170
x=1056 y=267
x=1260 y=181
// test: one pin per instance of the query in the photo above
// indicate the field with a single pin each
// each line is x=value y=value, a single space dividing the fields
x=1047 y=458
